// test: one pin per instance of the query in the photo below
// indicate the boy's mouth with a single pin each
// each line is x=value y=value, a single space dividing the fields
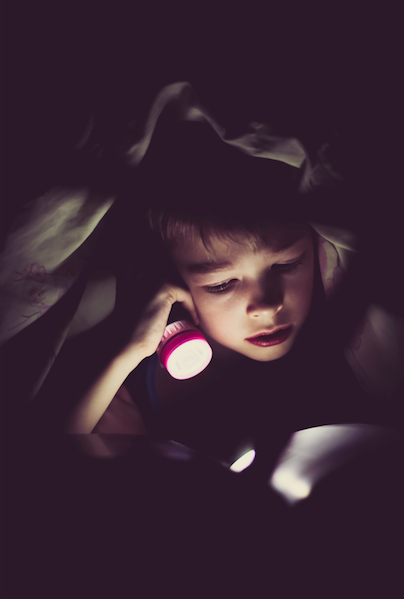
x=268 y=339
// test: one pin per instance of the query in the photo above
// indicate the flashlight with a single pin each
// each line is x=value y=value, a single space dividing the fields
x=183 y=350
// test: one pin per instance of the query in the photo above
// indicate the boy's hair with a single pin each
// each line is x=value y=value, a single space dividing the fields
x=171 y=227
x=194 y=183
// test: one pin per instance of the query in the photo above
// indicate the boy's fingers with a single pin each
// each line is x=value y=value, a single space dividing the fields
x=168 y=295
x=184 y=297
x=189 y=305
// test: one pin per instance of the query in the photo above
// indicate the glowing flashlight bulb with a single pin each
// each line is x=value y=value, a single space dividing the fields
x=183 y=350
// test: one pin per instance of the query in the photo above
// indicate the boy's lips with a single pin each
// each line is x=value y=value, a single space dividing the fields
x=268 y=338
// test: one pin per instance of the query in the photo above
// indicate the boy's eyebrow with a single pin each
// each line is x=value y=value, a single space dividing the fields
x=202 y=268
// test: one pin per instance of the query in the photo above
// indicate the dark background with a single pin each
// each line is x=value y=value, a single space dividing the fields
x=309 y=68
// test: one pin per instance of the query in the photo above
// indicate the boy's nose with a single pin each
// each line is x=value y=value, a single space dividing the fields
x=266 y=300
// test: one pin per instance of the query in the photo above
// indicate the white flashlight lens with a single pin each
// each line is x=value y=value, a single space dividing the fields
x=189 y=359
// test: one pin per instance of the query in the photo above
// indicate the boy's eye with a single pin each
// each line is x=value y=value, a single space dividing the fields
x=220 y=288
x=288 y=267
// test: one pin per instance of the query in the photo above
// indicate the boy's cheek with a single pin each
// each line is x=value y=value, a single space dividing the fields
x=208 y=321
x=202 y=317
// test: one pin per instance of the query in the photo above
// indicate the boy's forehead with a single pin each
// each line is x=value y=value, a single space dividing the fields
x=191 y=248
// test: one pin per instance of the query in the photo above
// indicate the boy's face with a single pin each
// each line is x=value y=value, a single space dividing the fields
x=252 y=302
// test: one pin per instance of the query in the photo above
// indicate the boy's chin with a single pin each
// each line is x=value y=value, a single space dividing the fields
x=266 y=359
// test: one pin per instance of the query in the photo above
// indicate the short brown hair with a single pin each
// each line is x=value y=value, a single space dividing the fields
x=171 y=226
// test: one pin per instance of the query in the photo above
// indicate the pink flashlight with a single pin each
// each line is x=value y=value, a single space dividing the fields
x=183 y=350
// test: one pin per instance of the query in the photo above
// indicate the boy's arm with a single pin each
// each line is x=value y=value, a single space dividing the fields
x=143 y=343
x=97 y=399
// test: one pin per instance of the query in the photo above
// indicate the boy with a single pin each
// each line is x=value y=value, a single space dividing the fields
x=246 y=271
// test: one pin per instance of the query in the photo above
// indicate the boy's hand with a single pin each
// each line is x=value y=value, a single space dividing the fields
x=153 y=321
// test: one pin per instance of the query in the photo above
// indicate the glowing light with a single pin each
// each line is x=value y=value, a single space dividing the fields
x=292 y=487
x=243 y=462
x=313 y=453
x=189 y=359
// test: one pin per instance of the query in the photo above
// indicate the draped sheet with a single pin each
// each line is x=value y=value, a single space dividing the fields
x=52 y=241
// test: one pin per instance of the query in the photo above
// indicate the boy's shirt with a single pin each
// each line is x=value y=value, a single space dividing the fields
x=244 y=404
